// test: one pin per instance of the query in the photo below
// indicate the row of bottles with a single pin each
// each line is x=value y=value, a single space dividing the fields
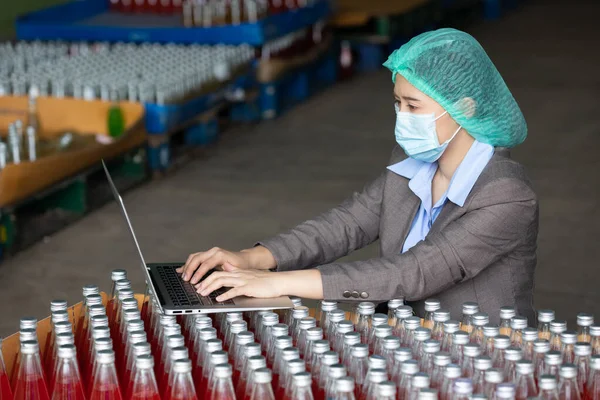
x=294 y=44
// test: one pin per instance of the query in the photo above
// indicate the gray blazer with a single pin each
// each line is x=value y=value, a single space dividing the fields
x=484 y=251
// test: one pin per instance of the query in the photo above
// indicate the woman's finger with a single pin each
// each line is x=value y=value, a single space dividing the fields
x=218 y=283
x=231 y=293
x=182 y=268
x=195 y=260
x=207 y=265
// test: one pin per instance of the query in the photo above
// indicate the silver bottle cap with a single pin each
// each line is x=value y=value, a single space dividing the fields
x=507 y=312
x=270 y=319
x=238 y=326
x=337 y=316
x=208 y=333
x=327 y=305
x=583 y=349
x=218 y=357
x=441 y=315
x=524 y=367
x=330 y=358
x=595 y=330
x=366 y=308
x=280 y=330
x=90 y=289
x=307 y=323
x=412 y=323
x=141 y=348
x=470 y=308
x=336 y=371
x=66 y=351
x=185 y=366
x=402 y=354
x=420 y=380
x=558 y=327
x=300 y=312
x=482 y=363
x=410 y=367
x=360 y=350
x=99 y=319
x=480 y=319
x=295 y=366
x=490 y=331
x=584 y=319
x=513 y=353
x=302 y=379
x=320 y=346
x=505 y=391
x=344 y=326
x=64 y=338
x=30 y=347
x=122 y=284
x=170 y=330
x=377 y=362
x=403 y=312
x=137 y=336
x=175 y=341
x=471 y=350
x=93 y=300
x=100 y=332
x=104 y=343
x=546 y=316
x=548 y=382
x=344 y=384
x=351 y=338
x=431 y=346
x=145 y=361
x=460 y=337
x=244 y=337
x=432 y=305
x=290 y=353
x=494 y=375
x=422 y=334
x=382 y=331
x=58 y=305
x=387 y=389
x=234 y=316
x=395 y=303
x=501 y=342
x=518 y=322
x=26 y=335
x=568 y=337
x=262 y=375
x=379 y=319
x=568 y=371
x=28 y=323
x=105 y=357
x=553 y=358
x=541 y=346
x=463 y=387
x=428 y=394
x=296 y=301
x=118 y=274
x=441 y=359
x=281 y=342
x=595 y=362
x=63 y=327
x=451 y=326
x=530 y=334
x=314 y=333
x=391 y=342
x=135 y=325
x=212 y=345
x=201 y=322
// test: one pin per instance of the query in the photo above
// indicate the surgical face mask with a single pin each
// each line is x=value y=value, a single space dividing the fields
x=417 y=135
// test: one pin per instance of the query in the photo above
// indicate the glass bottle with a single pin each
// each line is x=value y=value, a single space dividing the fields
x=385 y=391
x=238 y=326
x=529 y=335
x=493 y=377
x=376 y=321
x=262 y=389
x=462 y=389
x=552 y=362
x=540 y=348
x=506 y=314
x=293 y=367
x=592 y=388
x=374 y=377
x=548 y=387
x=298 y=313
x=281 y=343
x=341 y=328
x=241 y=368
x=429 y=348
x=236 y=356
x=440 y=360
x=29 y=382
x=67 y=382
x=381 y=332
x=174 y=354
x=584 y=321
x=288 y=318
x=334 y=372
x=329 y=358
x=344 y=389
x=359 y=364
x=431 y=306
x=451 y=373
x=304 y=325
x=390 y=344
x=78 y=318
x=105 y=385
x=501 y=343
x=420 y=335
x=5 y=389
x=401 y=354
x=280 y=365
x=401 y=314
x=52 y=347
x=479 y=321
x=326 y=307
x=556 y=328
x=268 y=321
x=202 y=337
x=375 y=362
x=350 y=339
x=428 y=394
x=567 y=346
x=144 y=382
x=459 y=339
x=525 y=385
x=313 y=335
x=480 y=365
x=439 y=317
x=301 y=387
x=410 y=325
x=419 y=381
x=138 y=350
x=511 y=356
x=253 y=364
x=470 y=351
x=392 y=306
x=450 y=327
x=568 y=388
x=595 y=339
x=181 y=385
x=115 y=275
x=583 y=352
x=363 y=325
x=517 y=324
x=208 y=372
x=318 y=349
x=544 y=319
x=505 y=391
x=407 y=371
x=222 y=386
x=334 y=317
x=469 y=308
x=489 y=333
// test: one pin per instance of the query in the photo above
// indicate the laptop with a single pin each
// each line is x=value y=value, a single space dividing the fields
x=176 y=296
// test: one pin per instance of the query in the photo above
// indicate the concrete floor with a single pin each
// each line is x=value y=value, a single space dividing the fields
x=261 y=180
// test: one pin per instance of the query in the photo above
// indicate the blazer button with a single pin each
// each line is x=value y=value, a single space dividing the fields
x=364 y=295
x=347 y=293
x=355 y=294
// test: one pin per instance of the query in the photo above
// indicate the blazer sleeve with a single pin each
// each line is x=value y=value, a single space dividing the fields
x=334 y=234
x=499 y=220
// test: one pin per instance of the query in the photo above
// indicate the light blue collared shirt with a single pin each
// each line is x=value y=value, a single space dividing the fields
x=421 y=175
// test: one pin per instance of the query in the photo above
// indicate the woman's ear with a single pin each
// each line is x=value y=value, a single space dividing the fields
x=466 y=106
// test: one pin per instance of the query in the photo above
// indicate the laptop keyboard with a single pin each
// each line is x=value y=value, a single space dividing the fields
x=184 y=294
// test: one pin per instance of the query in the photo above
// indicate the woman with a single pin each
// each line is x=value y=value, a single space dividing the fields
x=457 y=219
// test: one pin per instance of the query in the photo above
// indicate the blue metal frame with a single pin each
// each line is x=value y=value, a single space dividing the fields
x=64 y=22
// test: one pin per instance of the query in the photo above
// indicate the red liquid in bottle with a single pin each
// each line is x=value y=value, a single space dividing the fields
x=5 y=390
x=30 y=382
x=33 y=388
x=106 y=392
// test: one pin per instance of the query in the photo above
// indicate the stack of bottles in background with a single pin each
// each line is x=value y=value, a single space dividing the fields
x=148 y=72
x=295 y=44
x=127 y=350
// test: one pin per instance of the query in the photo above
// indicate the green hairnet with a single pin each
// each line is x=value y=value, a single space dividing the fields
x=451 y=67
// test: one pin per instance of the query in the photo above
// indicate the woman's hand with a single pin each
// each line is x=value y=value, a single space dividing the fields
x=198 y=264
x=243 y=282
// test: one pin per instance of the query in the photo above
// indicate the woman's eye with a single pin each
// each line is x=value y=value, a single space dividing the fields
x=411 y=107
